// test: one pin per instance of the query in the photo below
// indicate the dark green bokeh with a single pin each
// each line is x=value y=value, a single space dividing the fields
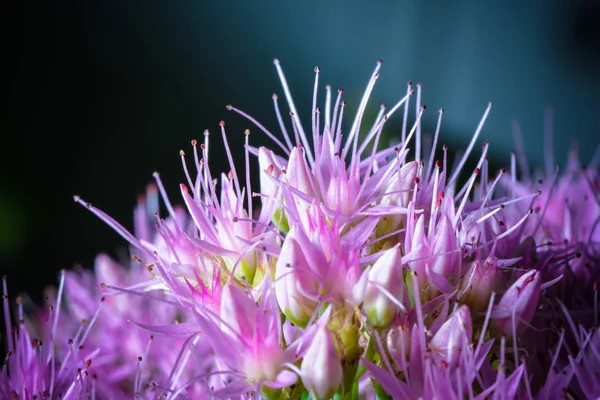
x=99 y=95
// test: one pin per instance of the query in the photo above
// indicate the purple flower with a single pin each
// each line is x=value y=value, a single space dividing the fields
x=32 y=368
x=361 y=272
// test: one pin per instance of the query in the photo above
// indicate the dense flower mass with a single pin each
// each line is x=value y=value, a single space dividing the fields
x=356 y=272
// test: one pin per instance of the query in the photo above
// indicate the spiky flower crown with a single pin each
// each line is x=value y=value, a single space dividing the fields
x=357 y=274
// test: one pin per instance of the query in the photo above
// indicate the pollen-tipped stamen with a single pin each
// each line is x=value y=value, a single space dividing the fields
x=434 y=144
x=296 y=119
x=471 y=144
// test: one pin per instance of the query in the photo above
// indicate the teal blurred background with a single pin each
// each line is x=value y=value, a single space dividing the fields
x=96 y=96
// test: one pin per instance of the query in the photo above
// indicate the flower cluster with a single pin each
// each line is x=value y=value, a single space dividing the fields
x=355 y=272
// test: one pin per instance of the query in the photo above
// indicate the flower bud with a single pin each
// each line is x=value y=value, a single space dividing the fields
x=454 y=335
x=398 y=342
x=520 y=302
x=398 y=191
x=419 y=248
x=321 y=369
x=299 y=175
x=445 y=261
x=385 y=276
x=479 y=283
x=293 y=280
x=268 y=165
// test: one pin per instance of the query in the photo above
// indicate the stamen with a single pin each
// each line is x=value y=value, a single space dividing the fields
x=445 y=169
x=185 y=169
x=479 y=164
x=178 y=359
x=390 y=296
x=212 y=197
x=515 y=226
x=281 y=124
x=412 y=131
x=383 y=237
x=206 y=169
x=296 y=134
x=527 y=196
x=260 y=126
x=418 y=137
x=315 y=132
x=200 y=174
x=183 y=363
x=141 y=364
x=165 y=198
x=434 y=201
x=484 y=178
x=248 y=183
x=373 y=131
x=359 y=114
x=471 y=144
x=434 y=145
x=230 y=159
x=328 y=107
x=334 y=119
x=465 y=197
x=379 y=121
x=139 y=294
x=51 y=354
x=243 y=254
x=120 y=229
x=338 y=134
x=491 y=213
x=374 y=151
x=294 y=113
x=405 y=118
x=196 y=158
x=317 y=144
x=491 y=190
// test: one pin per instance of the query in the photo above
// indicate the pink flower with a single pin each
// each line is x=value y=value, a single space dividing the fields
x=321 y=369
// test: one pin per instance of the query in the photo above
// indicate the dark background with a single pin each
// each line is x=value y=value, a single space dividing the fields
x=95 y=96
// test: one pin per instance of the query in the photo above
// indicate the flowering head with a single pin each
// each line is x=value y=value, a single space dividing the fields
x=357 y=255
